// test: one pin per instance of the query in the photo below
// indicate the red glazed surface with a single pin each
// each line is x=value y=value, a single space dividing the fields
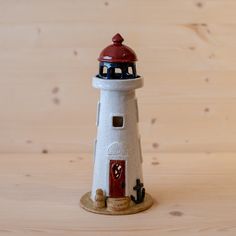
x=117 y=52
x=117 y=178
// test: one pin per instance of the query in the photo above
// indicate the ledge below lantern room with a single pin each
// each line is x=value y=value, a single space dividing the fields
x=118 y=85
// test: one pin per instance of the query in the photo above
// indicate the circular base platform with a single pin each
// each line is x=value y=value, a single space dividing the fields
x=87 y=204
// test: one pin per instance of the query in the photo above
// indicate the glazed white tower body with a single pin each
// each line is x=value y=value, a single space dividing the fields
x=117 y=98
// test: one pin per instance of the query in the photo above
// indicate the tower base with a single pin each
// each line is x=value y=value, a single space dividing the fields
x=87 y=204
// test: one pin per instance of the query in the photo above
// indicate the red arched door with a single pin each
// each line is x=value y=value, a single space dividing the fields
x=117 y=178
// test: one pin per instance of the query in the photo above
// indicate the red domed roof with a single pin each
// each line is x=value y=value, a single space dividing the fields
x=117 y=52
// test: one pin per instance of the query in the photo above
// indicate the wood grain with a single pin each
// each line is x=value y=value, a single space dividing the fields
x=48 y=54
x=39 y=195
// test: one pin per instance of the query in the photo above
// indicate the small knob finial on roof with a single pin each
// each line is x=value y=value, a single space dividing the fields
x=117 y=39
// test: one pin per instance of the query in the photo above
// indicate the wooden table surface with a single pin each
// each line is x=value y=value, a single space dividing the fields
x=196 y=195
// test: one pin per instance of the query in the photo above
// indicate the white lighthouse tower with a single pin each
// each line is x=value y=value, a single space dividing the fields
x=117 y=178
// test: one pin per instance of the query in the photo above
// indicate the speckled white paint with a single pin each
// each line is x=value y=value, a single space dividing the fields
x=117 y=98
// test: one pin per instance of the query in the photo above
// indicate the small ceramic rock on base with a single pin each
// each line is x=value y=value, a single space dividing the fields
x=117 y=177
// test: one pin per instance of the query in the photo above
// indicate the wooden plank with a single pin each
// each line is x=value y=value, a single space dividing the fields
x=191 y=36
x=162 y=59
x=74 y=86
x=195 y=194
x=180 y=127
x=53 y=11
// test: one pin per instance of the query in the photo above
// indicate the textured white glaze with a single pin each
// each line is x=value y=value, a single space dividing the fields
x=117 y=98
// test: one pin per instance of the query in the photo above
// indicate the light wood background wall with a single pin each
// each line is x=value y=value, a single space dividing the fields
x=187 y=55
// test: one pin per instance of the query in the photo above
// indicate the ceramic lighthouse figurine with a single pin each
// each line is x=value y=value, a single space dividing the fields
x=117 y=178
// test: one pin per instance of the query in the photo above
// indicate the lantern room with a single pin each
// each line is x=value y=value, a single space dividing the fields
x=117 y=61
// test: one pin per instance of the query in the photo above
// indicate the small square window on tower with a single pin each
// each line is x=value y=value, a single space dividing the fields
x=117 y=121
